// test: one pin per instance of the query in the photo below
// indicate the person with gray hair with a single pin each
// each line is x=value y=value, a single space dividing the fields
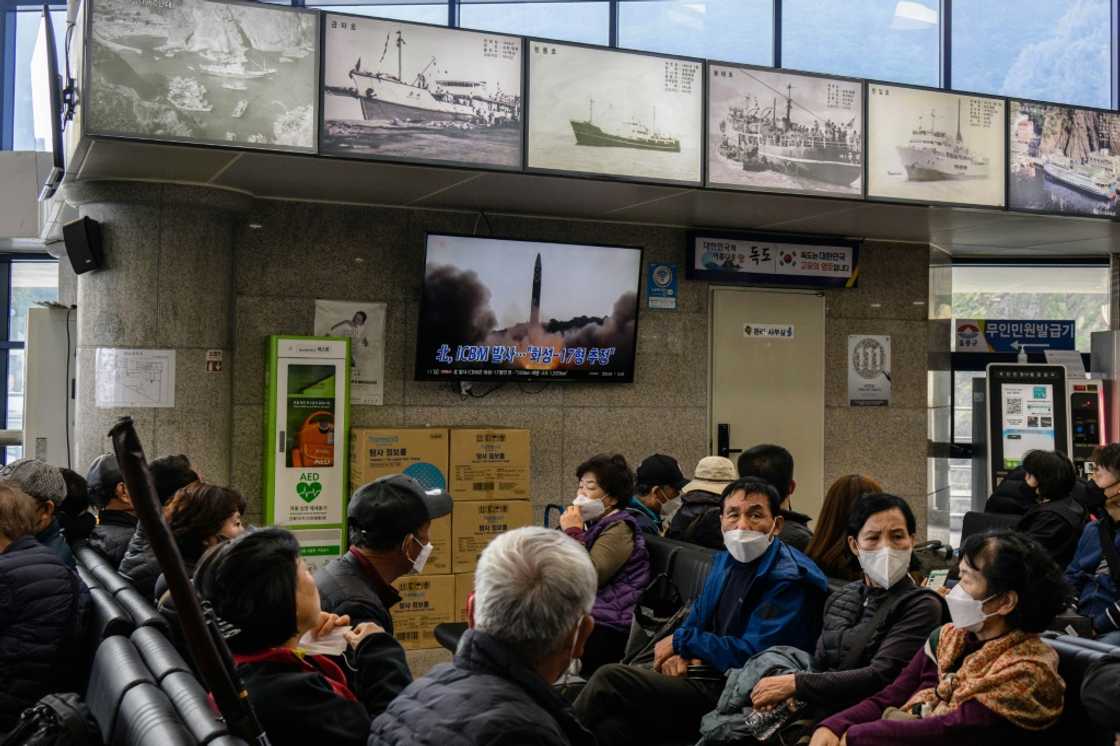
x=47 y=486
x=529 y=617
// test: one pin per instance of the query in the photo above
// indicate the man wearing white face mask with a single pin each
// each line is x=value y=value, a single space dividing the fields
x=872 y=627
x=530 y=616
x=390 y=520
x=986 y=678
x=758 y=594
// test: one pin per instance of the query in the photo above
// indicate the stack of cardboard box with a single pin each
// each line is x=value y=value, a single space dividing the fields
x=486 y=470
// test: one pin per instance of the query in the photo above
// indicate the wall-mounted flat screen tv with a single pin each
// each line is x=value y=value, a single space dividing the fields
x=504 y=310
x=1063 y=160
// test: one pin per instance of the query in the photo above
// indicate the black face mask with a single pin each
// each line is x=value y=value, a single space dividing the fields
x=1094 y=497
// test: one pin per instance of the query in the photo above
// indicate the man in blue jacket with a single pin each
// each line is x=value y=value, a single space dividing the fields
x=759 y=593
x=1091 y=571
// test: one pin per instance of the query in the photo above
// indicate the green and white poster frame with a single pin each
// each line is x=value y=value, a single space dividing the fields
x=306 y=443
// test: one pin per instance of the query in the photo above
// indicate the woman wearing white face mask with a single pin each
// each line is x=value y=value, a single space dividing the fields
x=872 y=627
x=598 y=520
x=986 y=678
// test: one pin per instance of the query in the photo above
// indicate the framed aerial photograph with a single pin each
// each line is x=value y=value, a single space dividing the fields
x=199 y=71
x=1063 y=159
x=784 y=132
x=407 y=91
x=610 y=113
x=935 y=147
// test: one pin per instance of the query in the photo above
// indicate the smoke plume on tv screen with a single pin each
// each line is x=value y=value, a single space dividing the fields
x=525 y=310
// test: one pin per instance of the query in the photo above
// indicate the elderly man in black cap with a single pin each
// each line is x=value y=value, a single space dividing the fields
x=390 y=522
x=660 y=482
x=116 y=519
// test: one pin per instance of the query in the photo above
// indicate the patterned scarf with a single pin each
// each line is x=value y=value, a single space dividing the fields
x=1014 y=676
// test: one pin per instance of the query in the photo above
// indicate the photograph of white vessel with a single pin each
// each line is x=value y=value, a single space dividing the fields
x=614 y=113
x=202 y=71
x=932 y=146
x=399 y=90
x=1064 y=159
x=776 y=131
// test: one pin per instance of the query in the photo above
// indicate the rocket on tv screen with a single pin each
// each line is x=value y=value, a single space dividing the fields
x=501 y=310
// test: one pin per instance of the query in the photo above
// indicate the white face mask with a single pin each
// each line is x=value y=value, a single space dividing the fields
x=422 y=558
x=669 y=509
x=966 y=612
x=746 y=546
x=575 y=664
x=885 y=567
x=589 y=509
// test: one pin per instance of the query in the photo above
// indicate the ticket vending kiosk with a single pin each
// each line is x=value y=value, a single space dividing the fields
x=1087 y=424
x=1026 y=410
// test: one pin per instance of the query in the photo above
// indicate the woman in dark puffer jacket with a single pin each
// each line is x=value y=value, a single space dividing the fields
x=42 y=610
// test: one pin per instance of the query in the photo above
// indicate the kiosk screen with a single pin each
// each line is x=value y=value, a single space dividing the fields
x=1028 y=420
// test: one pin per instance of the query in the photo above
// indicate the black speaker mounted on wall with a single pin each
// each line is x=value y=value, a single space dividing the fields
x=83 y=244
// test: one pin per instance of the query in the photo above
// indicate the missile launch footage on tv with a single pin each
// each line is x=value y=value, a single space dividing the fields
x=525 y=310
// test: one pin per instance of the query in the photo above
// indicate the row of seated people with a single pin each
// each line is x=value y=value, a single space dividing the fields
x=1075 y=521
x=763 y=598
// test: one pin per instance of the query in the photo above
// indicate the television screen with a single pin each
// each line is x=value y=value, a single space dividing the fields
x=503 y=310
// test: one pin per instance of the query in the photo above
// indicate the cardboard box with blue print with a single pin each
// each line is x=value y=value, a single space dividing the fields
x=489 y=464
x=420 y=453
x=426 y=600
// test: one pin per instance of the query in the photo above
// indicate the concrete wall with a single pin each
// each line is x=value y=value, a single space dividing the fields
x=302 y=252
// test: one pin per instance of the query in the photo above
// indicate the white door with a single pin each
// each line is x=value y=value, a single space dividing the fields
x=767 y=386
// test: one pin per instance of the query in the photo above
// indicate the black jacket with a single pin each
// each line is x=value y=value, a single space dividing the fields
x=139 y=564
x=1012 y=496
x=42 y=614
x=852 y=661
x=296 y=704
x=486 y=697
x=795 y=530
x=112 y=535
x=697 y=520
x=346 y=588
x=1057 y=526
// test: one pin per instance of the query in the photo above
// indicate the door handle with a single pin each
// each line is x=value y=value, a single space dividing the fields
x=723 y=441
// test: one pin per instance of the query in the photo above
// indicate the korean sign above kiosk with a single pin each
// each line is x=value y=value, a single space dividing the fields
x=306 y=435
x=1004 y=335
x=773 y=259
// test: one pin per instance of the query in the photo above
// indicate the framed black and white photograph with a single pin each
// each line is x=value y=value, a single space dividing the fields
x=784 y=132
x=413 y=92
x=1063 y=159
x=243 y=74
x=935 y=147
x=603 y=112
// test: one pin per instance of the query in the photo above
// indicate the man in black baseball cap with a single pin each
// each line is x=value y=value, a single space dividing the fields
x=116 y=518
x=390 y=523
x=660 y=481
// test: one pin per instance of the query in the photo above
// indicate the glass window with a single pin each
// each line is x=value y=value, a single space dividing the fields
x=32 y=282
x=1038 y=293
x=726 y=30
x=1054 y=51
x=586 y=21
x=434 y=13
x=894 y=40
x=24 y=135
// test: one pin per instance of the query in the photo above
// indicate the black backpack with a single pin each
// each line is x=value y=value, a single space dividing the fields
x=55 y=720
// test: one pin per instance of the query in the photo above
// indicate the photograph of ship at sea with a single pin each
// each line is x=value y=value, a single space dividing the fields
x=415 y=92
x=776 y=131
x=1063 y=159
x=932 y=146
x=599 y=111
x=201 y=71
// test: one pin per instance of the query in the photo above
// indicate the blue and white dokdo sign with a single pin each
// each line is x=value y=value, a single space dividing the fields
x=772 y=259
x=1007 y=335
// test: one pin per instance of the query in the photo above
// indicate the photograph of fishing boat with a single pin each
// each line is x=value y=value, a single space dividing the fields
x=202 y=71
x=1064 y=159
x=400 y=90
x=932 y=146
x=614 y=113
x=777 y=131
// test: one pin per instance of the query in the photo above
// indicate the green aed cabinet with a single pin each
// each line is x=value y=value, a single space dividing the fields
x=306 y=450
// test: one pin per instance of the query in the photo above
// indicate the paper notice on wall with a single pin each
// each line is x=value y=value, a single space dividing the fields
x=133 y=379
x=364 y=324
x=869 y=371
x=1071 y=359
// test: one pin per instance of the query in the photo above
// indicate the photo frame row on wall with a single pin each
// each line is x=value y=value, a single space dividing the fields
x=248 y=75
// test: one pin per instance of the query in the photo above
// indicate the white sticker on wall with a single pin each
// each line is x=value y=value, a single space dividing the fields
x=768 y=331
